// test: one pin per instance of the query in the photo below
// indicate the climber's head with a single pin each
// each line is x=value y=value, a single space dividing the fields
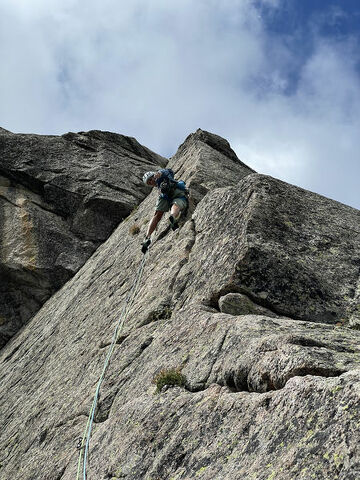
x=149 y=179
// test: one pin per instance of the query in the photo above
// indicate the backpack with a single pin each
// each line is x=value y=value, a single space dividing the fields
x=181 y=185
x=166 y=174
x=167 y=184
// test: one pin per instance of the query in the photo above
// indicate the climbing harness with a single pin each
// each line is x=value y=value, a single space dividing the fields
x=84 y=442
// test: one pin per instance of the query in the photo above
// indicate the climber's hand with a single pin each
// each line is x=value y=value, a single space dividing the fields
x=145 y=245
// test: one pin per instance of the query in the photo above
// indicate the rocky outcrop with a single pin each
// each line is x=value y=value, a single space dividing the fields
x=206 y=161
x=240 y=304
x=290 y=250
x=60 y=197
x=267 y=397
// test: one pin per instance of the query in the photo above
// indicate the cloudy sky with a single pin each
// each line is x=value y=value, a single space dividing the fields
x=280 y=79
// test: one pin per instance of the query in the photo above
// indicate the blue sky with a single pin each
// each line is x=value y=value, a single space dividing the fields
x=300 y=23
x=280 y=79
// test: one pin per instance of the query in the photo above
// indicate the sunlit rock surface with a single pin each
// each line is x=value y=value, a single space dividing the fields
x=270 y=394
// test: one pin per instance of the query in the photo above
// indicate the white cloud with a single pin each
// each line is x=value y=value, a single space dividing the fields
x=158 y=70
x=311 y=137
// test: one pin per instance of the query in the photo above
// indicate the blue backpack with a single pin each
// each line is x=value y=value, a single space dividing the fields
x=167 y=174
x=181 y=185
x=166 y=183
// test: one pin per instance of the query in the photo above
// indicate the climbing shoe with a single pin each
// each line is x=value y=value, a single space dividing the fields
x=145 y=245
x=174 y=223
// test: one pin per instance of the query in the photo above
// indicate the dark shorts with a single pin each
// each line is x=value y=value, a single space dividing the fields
x=164 y=205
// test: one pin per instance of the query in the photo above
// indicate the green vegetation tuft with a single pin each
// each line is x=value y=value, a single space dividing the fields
x=169 y=376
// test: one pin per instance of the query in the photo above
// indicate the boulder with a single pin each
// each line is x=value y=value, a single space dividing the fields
x=240 y=304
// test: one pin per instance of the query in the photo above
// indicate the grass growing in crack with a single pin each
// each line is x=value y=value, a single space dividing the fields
x=134 y=229
x=169 y=376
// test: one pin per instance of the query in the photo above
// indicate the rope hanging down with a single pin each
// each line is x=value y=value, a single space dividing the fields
x=85 y=441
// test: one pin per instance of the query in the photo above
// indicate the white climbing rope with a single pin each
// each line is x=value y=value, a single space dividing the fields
x=85 y=441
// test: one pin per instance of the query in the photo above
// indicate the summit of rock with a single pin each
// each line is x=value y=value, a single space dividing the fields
x=214 y=141
x=206 y=161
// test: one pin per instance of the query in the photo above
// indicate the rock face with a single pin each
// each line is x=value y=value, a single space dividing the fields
x=276 y=247
x=270 y=393
x=60 y=197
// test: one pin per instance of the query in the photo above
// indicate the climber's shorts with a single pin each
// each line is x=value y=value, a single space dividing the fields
x=164 y=205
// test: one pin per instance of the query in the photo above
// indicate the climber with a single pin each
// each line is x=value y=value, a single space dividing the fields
x=173 y=196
